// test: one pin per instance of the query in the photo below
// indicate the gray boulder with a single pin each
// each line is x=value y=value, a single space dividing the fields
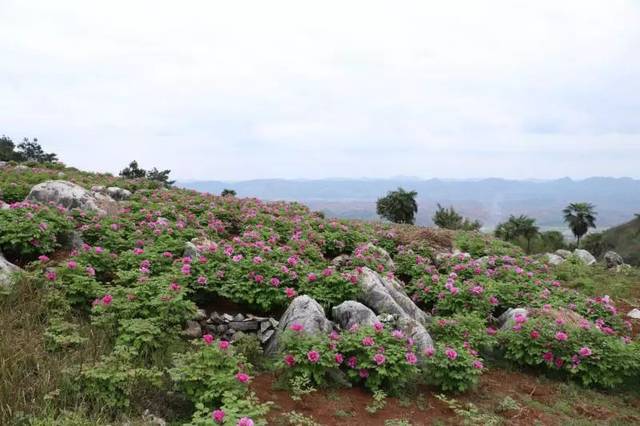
x=69 y=195
x=563 y=253
x=613 y=259
x=584 y=256
x=634 y=313
x=349 y=313
x=306 y=312
x=192 y=329
x=118 y=194
x=7 y=269
x=386 y=296
x=554 y=259
x=507 y=319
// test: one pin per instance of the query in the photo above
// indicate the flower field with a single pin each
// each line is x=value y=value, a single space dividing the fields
x=95 y=322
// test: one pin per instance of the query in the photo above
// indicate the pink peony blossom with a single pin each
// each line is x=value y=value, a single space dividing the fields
x=379 y=359
x=363 y=373
x=218 y=416
x=451 y=354
x=313 y=356
x=339 y=358
x=411 y=358
x=585 y=351
x=561 y=336
x=224 y=345
x=245 y=421
x=242 y=377
x=289 y=360
x=208 y=339
x=106 y=299
x=297 y=327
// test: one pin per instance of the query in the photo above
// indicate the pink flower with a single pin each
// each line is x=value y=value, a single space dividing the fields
x=352 y=362
x=290 y=292
x=363 y=373
x=520 y=319
x=561 y=336
x=297 y=327
x=202 y=280
x=138 y=251
x=327 y=272
x=534 y=334
x=90 y=271
x=186 y=269
x=477 y=364
x=257 y=260
x=245 y=421
x=313 y=356
x=378 y=326
x=548 y=356
x=275 y=282
x=242 y=377
x=43 y=258
x=398 y=334
x=451 y=354
x=411 y=358
x=493 y=300
x=312 y=277
x=175 y=287
x=339 y=358
x=224 y=345
x=218 y=416
x=429 y=352
x=368 y=341
x=559 y=362
x=289 y=360
x=208 y=339
x=379 y=359
x=72 y=264
x=585 y=351
x=106 y=299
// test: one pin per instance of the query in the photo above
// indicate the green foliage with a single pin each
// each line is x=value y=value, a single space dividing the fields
x=469 y=413
x=398 y=206
x=27 y=230
x=479 y=245
x=453 y=368
x=448 y=218
x=228 y=193
x=133 y=171
x=515 y=227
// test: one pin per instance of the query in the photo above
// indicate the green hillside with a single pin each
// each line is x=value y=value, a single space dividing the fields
x=625 y=240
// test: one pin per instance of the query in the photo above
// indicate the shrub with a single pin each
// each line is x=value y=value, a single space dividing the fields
x=453 y=367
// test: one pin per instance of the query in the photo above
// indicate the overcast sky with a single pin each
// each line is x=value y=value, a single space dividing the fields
x=299 y=89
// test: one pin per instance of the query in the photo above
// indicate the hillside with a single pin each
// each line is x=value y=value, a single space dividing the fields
x=489 y=200
x=124 y=302
x=625 y=239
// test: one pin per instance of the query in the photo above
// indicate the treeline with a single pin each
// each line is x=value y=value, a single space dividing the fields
x=400 y=206
x=26 y=151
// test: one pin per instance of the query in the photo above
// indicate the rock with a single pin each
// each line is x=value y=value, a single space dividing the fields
x=351 y=313
x=238 y=317
x=507 y=318
x=613 y=259
x=69 y=195
x=250 y=325
x=584 y=256
x=386 y=296
x=151 y=419
x=305 y=311
x=7 y=269
x=201 y=314
x=21 y=167
x=264 y=326
x=554 y=259
x=341 y=261
x=98 y=188
x=634 y=313
x=190 y=250
x=74 y=240
x=264 y=338
x=563 y=253
x=193 y=329
x=227 y=318
x=118 y=194
x=3 y=164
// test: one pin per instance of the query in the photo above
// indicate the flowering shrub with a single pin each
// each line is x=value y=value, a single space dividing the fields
x=452 y=367
x=204 y=375
x=374 y=357
x=27 y=230
x=591 y=353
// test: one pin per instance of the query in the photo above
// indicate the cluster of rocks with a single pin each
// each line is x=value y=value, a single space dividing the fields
x=611 y=259
x=232 y=327
x=7 y=269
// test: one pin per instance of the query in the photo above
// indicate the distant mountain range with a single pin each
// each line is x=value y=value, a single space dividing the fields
x=489 y=200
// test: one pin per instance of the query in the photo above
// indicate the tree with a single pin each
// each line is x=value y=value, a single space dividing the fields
x=398 y=206
x=515 y=227
x=448 y=218
x=228 y=193
x=133 y=171
x=32 y=151
x=580 y=217
x=7 y=150
x=160 y=176
x=552 y=241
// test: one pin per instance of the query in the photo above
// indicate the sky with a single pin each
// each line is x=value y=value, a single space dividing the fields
x=296 y=89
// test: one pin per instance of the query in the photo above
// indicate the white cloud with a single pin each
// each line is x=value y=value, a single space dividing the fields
x=297 y=89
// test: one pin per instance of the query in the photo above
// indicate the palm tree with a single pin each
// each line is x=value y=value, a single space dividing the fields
x=526 y=226
x=580 y=217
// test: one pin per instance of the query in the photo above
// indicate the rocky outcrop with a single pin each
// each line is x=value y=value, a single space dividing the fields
x=554 y=259
x=70 y=195
x=378 y=253
x=350 y=313
x=586 y=257
x=634 y=313
x=303 y=311
x=118 y=194
x=7 y=269
x=386 y=296
x=563 y=253
x=613 y=259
